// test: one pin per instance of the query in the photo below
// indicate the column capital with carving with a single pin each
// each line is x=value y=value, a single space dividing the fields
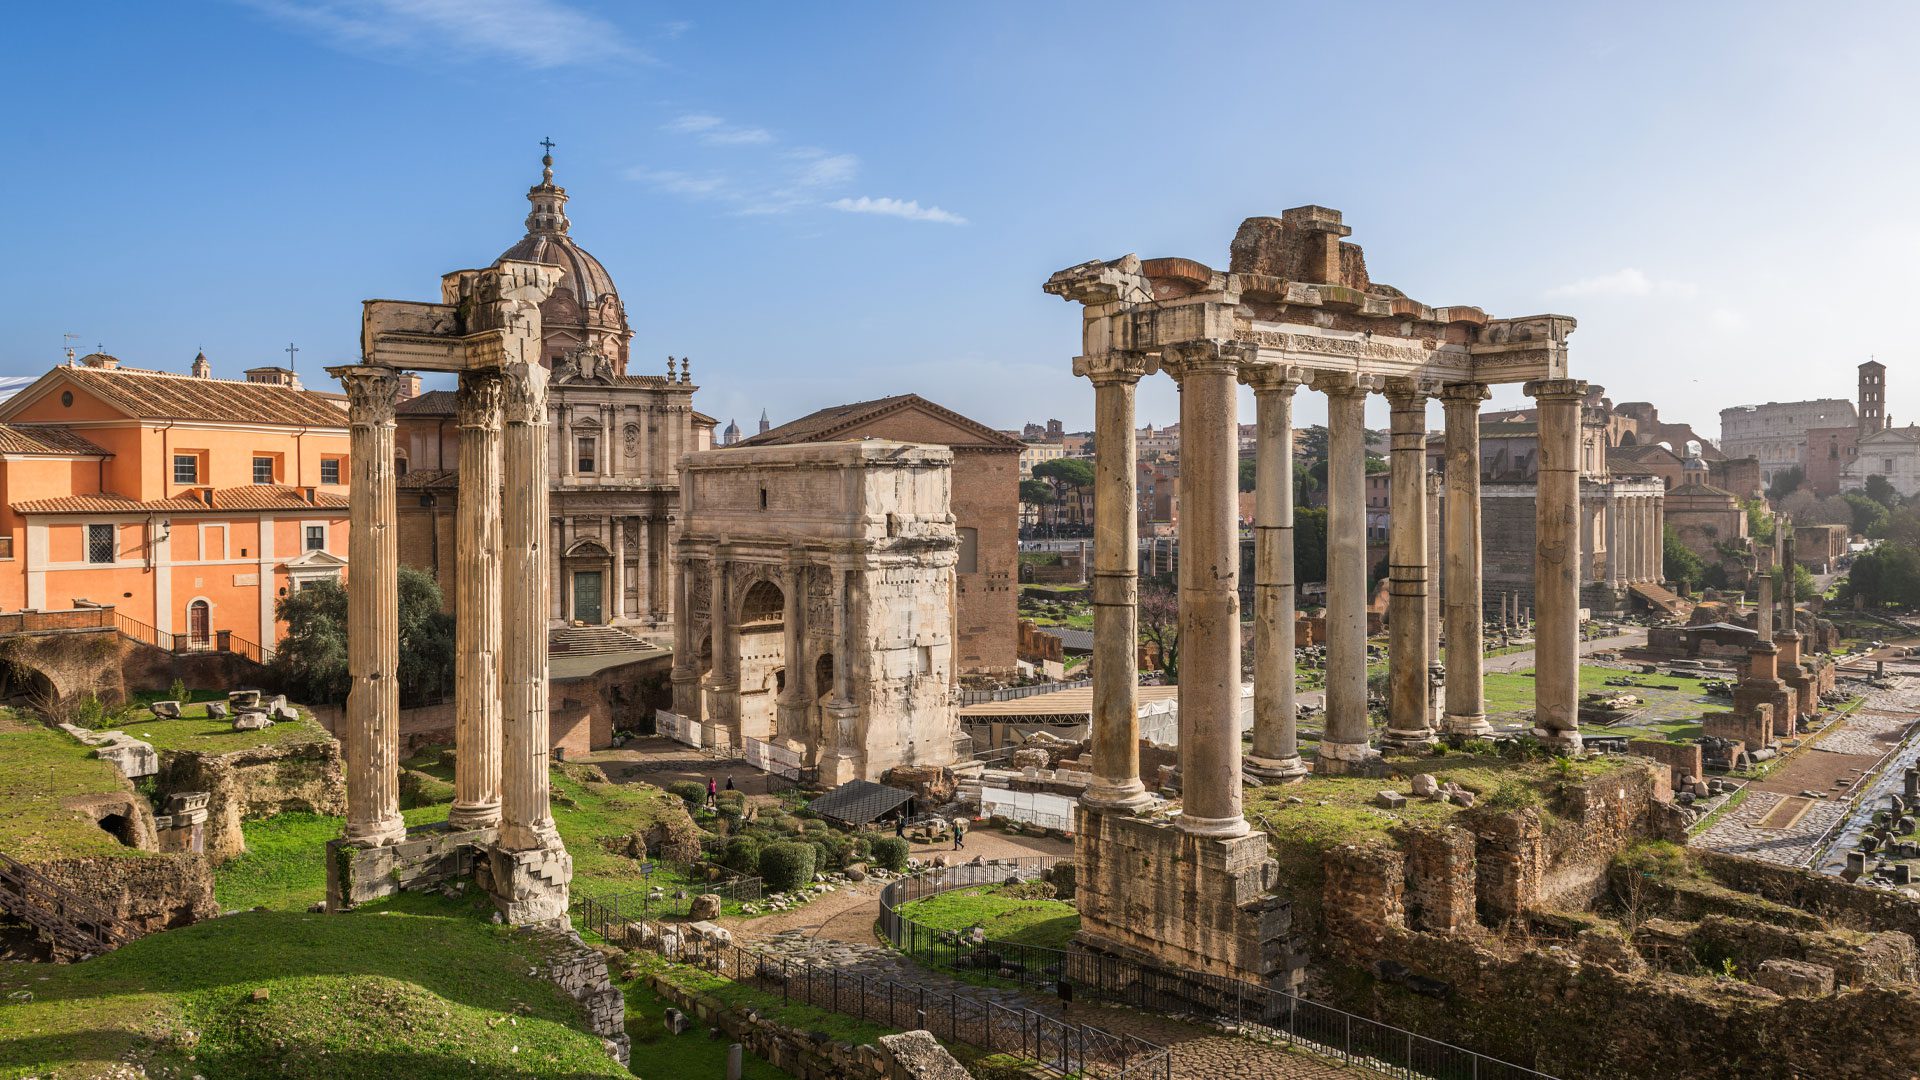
x=524 y=393
x=1405 y=392
x=1118 y=366
x=1557 y=390
x=1268 y=378
x=1465 y=393
x=1346 y=383
x=480 y=398
x=1207 y=355
x=372 y=392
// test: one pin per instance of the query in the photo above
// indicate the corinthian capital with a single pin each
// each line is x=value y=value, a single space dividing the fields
x=1118 y=366
x=1557 y=390
x=372 y=392
x=1343 y=383
x=1207 y=355
x=1465 y=393
x=524 y=394
x=480 y=398
x=1407 y=392
x=1285 y=378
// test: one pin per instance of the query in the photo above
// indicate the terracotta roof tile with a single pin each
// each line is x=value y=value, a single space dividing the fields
x=431 y=403
x=841 y=421
x=37 y=439
x=167 y=396
x=251 y=497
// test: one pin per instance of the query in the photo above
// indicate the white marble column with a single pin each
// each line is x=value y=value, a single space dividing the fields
x=1659 y=503
x=1209 y=588
x=723 y=725
x=1557 y=563
x=1466 y=619
x=842 y=712
x=373 y=610
x=1276 y=739
x=476 y=800
x=1116 y=573
x=1344 y=744
x=688 y=695
x=791 y=708
x=526 y=818
x=1611 y=507
x=1407 y=646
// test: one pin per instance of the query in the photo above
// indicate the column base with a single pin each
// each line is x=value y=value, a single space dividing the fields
x=838 y=769
x=1348 y=759
x=541 y=837
x=1418 y=739
x=529 y=886
x=1560 y=741
x=1471 y=726
x=380 y=832
x=1122 y=797
x=1286 y=768
x=1219 y=828
x=474 y=816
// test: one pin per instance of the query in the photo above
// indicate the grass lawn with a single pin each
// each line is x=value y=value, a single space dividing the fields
x=1047 y=923
x=744 y=996
x=196 y=731
x=659 y=1052
x=285 y=868
x=1511 y=693
x=415 y=986
x=39 y=768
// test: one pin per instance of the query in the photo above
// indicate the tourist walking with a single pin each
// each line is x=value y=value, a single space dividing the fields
x=900 y=826
x=959 y=833
x=729 y=781
x=713 y=792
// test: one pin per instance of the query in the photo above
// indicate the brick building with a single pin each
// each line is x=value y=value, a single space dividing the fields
x=986 y=511
x=188 y=503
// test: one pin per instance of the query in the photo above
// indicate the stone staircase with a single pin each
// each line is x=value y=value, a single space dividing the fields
x=592 y=640
x=77 y=927
x=1662 y=599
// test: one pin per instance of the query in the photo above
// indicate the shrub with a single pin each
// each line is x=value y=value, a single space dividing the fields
x=692 y=792
x=822 y=856
x=890 y=852
x=786 y=866
x=1513 y=794
x=742 y=856
x=178 y=691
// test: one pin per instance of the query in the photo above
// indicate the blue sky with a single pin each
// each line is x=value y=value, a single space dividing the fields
x=823 y=203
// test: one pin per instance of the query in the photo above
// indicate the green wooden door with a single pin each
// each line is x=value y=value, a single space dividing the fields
x=586 y=596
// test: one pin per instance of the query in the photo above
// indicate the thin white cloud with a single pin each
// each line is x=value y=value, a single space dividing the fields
x=899 y=208
x=538 y=33
x=819 y=169
x=693 y=123
x=1628 y=281
x=678 y=182
x=715 y=131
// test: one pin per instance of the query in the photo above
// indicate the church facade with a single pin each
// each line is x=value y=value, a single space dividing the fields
x=616 y=441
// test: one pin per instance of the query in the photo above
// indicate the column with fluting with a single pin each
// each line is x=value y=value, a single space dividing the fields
x=618 y=608
x=373 y=610
x=688 y=696
x=1116 y=579
x=1344 y=744
x=791 y=708
x=1407 y=599
x=526 y=819
x=1763 y=614
x=1209 y=587
x=1466 y=621
x=723 y=726
x=1276 y=739
x=1659 y=501
x=1556 y=563
x=476 y=779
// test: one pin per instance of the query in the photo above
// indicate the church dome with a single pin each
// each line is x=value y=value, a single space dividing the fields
x=547 y=242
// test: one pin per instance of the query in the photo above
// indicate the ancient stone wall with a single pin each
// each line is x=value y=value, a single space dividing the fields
x=149 y=893
x=256 y=783
x=1682 y=759
x=1830 y=897
x=581 y=973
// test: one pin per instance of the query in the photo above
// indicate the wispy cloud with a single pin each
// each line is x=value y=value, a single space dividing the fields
x=1625 y=282
x=899 y=208
x=778 y=180
x=538 y=33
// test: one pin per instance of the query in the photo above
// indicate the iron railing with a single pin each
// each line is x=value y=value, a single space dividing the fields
x=71 y=921
x=1060 y=1047
x=607 y=912
x=1261 y=1010
x=216 y=641
x=1013 y=693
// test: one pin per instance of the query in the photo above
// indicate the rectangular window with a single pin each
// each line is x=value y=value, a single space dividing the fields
x=330 y=470
x=586 y=454
x=262 y=470
x=316 y=538
x=969 y=562
x=186 y=468
x=100 y=543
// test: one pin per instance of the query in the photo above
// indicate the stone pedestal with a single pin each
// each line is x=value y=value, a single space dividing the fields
x=529 y=885
x=1150 y=890
x=424 y=858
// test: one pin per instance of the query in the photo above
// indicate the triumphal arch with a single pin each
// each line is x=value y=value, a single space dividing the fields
x=486 y=328
x=816 y=606
x=1294 y=309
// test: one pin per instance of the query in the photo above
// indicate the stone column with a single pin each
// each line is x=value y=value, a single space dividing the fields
x=688 y=695
x=1343 y=746
x=1116 y=574
x=526 y=819
x=643 y=570
x=1209 y=588
x=566 y=447
x=723 y=728
x=1408 y=649
x=791 y=722
x=618 y=609
x=1276 y=742
x=1612 y=509
x=1556 y=563
x=476 y=780
x=1659 y=503
x=373 y=610
x=1789 y=636
x=1639 y=522
x=1763 y=617
x=1466 y=618
x=842 y=712
x=1648 y=552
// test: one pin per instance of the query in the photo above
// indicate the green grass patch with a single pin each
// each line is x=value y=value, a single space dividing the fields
x=40 y=768
x=414 y=986
x=1719 y=812
x=195 y=730
x=659 y=1052
x=284 y=867
x=745 y=996
x=1004 y=915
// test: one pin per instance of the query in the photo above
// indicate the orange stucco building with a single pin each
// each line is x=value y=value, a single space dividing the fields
x=188 y=503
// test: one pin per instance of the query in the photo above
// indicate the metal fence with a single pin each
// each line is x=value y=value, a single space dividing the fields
x=1274 y=1014
x=1012 y=693
x=1063 y=1048
x=214 y=641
